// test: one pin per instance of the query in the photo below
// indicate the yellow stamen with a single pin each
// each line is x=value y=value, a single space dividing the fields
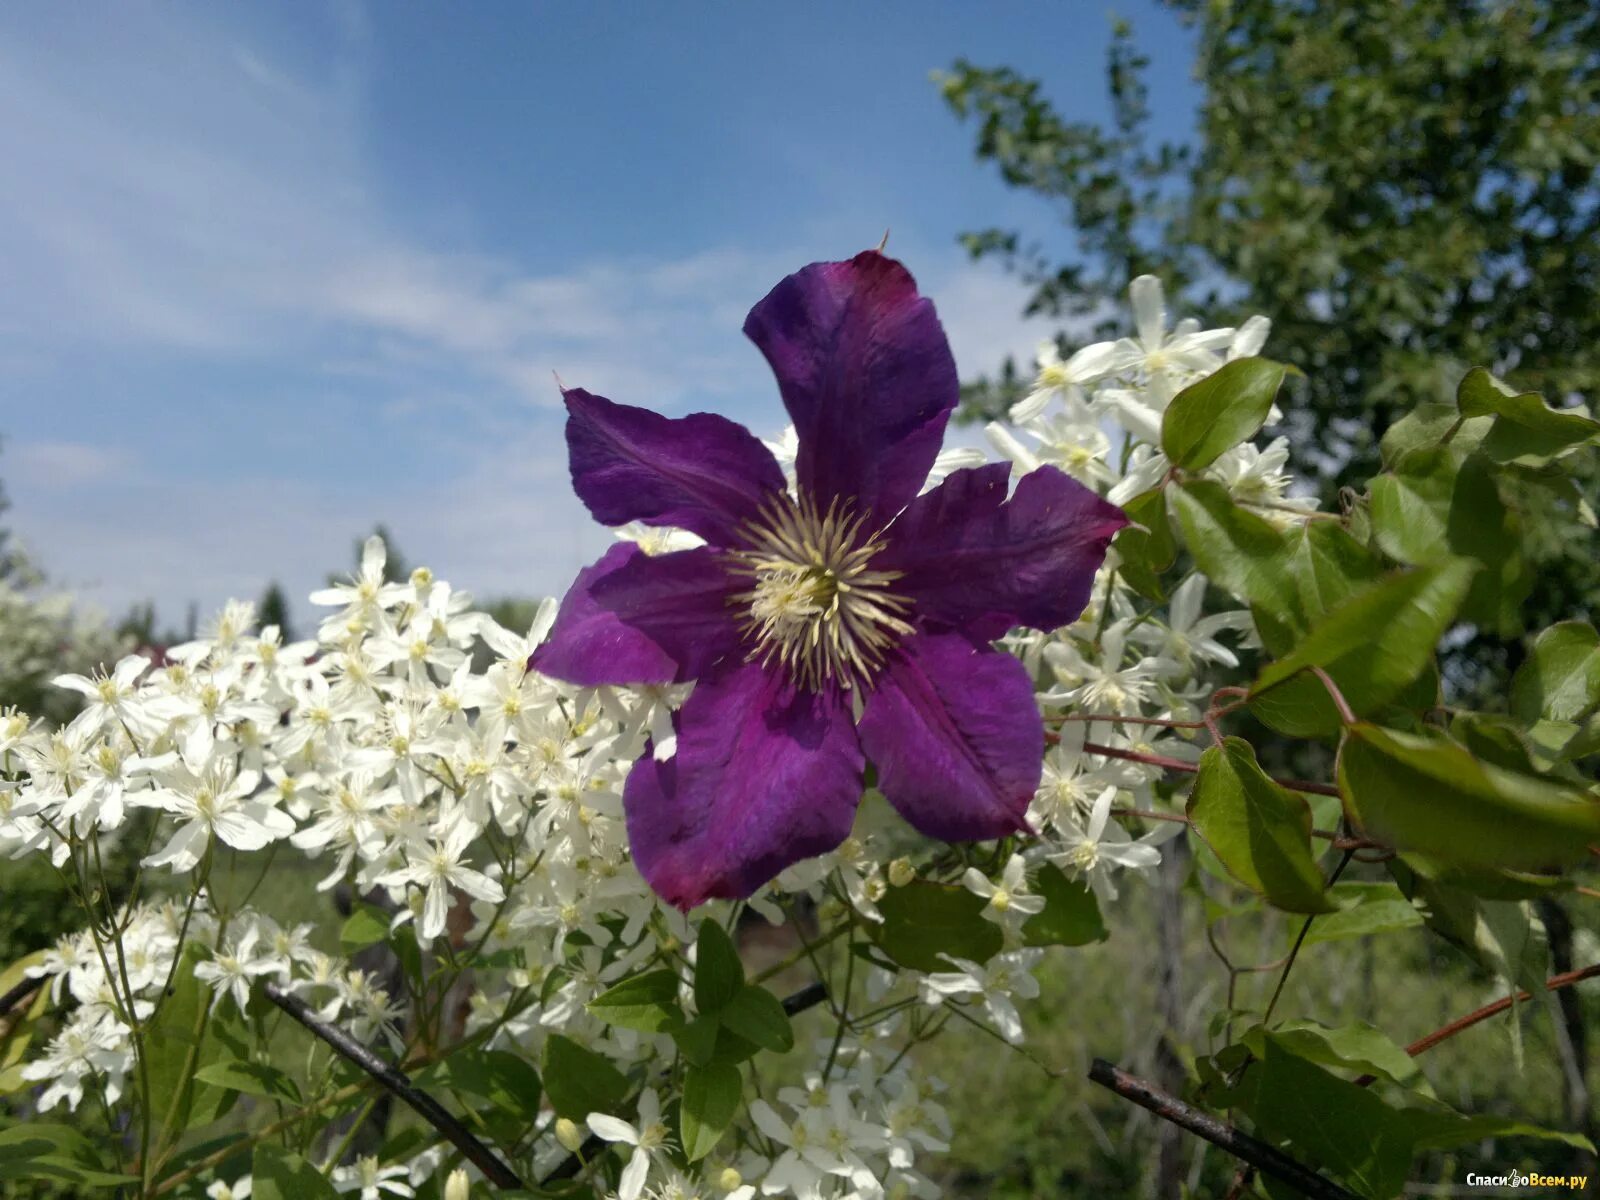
x=815 y=605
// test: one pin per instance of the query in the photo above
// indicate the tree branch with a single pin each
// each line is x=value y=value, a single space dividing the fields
x=20 y=993
x=1241 y=1145
x=429 y=1109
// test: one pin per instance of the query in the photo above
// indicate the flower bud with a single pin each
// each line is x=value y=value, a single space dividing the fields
x=457 y=1186
x=568 y=1134
x=901 y=872
x=730 y=1179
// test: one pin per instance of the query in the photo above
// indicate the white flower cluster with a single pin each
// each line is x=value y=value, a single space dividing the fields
x=412 y=753
x=1119 y=671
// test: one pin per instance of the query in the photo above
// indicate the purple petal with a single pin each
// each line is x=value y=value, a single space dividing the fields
x=956 y=737
x=764 y=776
x=866 y=374
x=701 y=472
x=637 y=618
x=972 y=559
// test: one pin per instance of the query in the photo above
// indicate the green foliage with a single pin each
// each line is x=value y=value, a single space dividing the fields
x=279 y=1175
x=1070 y=916
x=647 y=1002
x=710 y=1100
x=1222 y=410
x=923 y=920
x=1260 y=831
x=41 y=1150
x=578 y=1081
x=718 y=974
x=1372 y=645
x=1429 y=794
x=1468 y=232
x=1560 y=679
x=1366 y=1137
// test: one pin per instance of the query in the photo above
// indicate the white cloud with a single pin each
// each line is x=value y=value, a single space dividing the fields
x=200 y=203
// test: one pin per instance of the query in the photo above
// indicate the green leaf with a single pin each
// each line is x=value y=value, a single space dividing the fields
x=1442 y=1130
x=277 y=1174
x=1218 y=412
x=1146 y=548
x=1359 y=1048
x=1499 y=935
x=1437 y=504
x=366 y=926
x=1427 y=425
x=39 y=1150
x=579 y=1081
x=1325 y=566
x=1365 y=909
x=1526 y=430
x=697 y=1041
x=1372 y=646
x=1560 y=678
x=506 y=1080
x=1240 y=551
x=1070 y=916
x=1260 y=831
x=923 y=920
x=1429 y=794
x=710 y=1099
x=718 y=973
x=647 y=1002
x=757 y=1016
x=18 y=1032
x=1327 y=1120
x=253 y=1079
x=172 y=1044
x=1489 y=883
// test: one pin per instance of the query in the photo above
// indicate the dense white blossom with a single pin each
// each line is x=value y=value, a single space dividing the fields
x=476 y=805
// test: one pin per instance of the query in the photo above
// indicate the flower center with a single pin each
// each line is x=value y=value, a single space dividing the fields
x=814 y=604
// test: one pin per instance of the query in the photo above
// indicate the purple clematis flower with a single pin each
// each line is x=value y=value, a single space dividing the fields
x=848 y=622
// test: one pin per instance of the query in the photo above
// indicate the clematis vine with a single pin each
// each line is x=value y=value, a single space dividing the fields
x=847 y=621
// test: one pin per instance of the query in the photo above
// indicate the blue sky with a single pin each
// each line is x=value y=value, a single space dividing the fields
x=274 y=273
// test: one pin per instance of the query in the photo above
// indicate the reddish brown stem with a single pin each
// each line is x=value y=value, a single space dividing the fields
x=1189 y=768
x=1554 y=984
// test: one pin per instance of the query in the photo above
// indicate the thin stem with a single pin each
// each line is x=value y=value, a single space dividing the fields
x=1189 y=768
x=1299 y=941
x=349 y=1138
x=1339 y=702
x=1477 y=1016
x=217 y=1158
x=1114 y=719
x=778 y=968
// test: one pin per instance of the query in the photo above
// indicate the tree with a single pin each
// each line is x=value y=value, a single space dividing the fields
x=1405 y=189
x=395 y=567
x=274 y=610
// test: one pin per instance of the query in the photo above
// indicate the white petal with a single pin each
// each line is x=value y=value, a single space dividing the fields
x=769 y=1122
x=1149 y=310
x=612 y=1129
x=435 y=907
x=633 y=1176
x=1092 y=362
